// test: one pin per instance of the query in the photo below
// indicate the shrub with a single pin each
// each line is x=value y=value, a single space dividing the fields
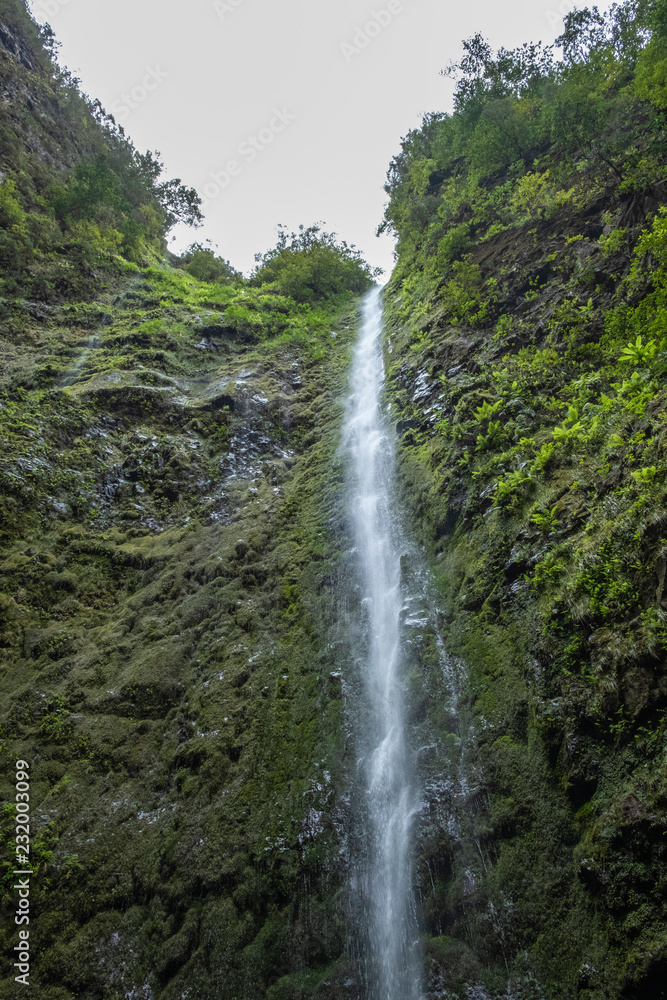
x=202 y=263
x=310 y=265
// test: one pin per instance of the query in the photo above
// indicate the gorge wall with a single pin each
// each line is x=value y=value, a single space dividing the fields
x=177 y=585
x=526 y=339
x=169 y=668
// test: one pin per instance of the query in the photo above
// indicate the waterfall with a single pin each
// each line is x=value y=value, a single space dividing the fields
x=386 y=796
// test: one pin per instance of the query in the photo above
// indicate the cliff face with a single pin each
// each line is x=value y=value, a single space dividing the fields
x=164 y=632
x=526 y=373
x=176 y=576
x=168 y=500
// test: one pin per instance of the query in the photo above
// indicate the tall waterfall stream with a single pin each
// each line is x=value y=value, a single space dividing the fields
x=387 y=797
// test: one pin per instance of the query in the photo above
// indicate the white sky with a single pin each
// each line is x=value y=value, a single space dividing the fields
x=205 y=76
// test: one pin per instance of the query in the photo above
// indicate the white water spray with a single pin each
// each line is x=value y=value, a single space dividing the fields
x=389 y=940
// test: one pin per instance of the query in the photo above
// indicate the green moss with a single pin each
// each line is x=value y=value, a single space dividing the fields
x=530 y=418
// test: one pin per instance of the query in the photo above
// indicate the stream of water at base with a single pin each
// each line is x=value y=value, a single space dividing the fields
x=387 y=797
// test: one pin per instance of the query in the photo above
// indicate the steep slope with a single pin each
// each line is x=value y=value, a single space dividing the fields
x=527 y=362
x=76 y=198
x=164 y=545
x=168 y=540
x=177 y=579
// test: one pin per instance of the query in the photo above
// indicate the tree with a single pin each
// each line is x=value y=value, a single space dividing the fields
x=623 y=31
x=180 y=203
x=512 y=73
x=310 y=265
x=203 y=263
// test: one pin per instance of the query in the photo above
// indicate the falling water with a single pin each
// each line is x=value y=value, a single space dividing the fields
x=387 y=799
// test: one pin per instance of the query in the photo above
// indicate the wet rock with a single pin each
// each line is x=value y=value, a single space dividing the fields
x=13 y=43
x=637 y=690
x=515 y=565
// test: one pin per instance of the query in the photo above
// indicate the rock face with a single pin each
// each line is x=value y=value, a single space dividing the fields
x=177 y=586
x=557 y=846
x=526 y=380
x=171 y=531
x=15 y=45
x=167 y=561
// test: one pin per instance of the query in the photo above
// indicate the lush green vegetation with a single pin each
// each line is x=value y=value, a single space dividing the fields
x=72 y=215
x=310 y=266
x=528 y=324
x=165 y=503
x=556 y=130
x=172 y=533
x=204 y=264
x=168 y=433
x=72 y=219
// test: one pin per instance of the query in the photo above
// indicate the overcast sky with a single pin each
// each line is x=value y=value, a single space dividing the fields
x=280 y=111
